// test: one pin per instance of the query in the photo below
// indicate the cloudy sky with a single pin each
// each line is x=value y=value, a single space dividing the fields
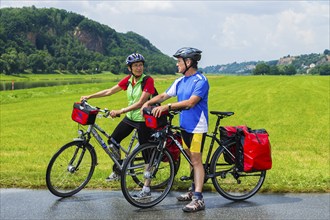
x=226 y=31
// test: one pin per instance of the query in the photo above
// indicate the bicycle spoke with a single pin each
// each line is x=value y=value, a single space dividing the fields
x=159 y=176
x=70 y=170
x=232 y=184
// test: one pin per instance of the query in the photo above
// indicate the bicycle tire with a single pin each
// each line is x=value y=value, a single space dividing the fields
x=162 y=184
x=134 y=167
x=229 y=182
x=140 y=182
x=70 y=169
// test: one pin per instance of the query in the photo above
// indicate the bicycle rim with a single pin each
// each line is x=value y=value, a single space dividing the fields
x=161 y=172
x=140 y=182
x=231 y=184
x=161 y=184
x=70 y=169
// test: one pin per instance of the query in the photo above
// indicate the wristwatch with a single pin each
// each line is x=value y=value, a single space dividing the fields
x=169 y=106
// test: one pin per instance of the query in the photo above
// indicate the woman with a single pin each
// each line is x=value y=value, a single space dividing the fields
x=136 y=96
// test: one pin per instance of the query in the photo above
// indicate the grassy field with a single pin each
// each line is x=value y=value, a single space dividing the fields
x=293 y=109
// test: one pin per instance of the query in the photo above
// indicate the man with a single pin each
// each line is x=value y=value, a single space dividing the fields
x=192 y=94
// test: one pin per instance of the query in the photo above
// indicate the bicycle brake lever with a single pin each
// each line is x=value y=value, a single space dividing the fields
x=107 y=113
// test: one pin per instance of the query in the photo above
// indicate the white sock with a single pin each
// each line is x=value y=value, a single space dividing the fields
x=146 y=189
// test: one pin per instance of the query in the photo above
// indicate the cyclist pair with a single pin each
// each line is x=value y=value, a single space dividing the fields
x=191 y=90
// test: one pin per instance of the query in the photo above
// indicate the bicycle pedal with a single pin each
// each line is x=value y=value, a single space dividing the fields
x=185 y=178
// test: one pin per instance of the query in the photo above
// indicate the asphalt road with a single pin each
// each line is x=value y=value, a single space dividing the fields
x=98 y=204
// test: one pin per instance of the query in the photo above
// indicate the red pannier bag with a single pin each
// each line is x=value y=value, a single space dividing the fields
x=153 y=122
x=254 y=150
x=172 y=148
x=83 y=114
x=228 y=135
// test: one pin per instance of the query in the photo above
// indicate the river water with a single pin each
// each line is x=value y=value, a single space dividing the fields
x=28 y=85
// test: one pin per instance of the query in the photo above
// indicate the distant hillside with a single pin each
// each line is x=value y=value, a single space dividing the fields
x=49 y=40
x=302 y=64
x=232 y=68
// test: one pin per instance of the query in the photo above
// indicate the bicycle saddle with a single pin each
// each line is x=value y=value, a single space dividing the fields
x=223 y=114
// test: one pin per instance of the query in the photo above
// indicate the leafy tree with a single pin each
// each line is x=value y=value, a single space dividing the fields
x=70 y=66
x=323 y=70
x=11 y=61
x=273 y=70
x=261 y=69
x=289 y=70
x=114 y=66
x=22 y=62
x=35 y=62
x=3 y=66
x=39 y=61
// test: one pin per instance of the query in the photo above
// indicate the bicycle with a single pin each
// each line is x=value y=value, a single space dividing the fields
x=227 y=179
x=73 y=165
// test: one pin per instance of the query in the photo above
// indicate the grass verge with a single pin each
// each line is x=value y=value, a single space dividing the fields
x=293 y=109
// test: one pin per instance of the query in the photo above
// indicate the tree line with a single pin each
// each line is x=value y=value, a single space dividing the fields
x=51 y=40
x=314 y=64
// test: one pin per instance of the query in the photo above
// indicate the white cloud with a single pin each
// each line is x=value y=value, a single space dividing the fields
x=292 y=31
x=226 y=31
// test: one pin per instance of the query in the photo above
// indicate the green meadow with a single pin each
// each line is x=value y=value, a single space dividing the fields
x=294 y=110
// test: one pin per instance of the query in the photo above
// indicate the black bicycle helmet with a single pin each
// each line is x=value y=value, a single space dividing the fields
x=188 y=52
x=133 y=58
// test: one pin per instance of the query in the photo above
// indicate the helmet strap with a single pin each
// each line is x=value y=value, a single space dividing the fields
x=187 y=68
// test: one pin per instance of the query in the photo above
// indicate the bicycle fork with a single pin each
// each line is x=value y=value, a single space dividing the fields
x=155 y=159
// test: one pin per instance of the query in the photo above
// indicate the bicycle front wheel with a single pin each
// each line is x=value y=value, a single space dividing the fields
x=229 y=182
x=160 y=184
x=155 y=169
x=70 y=169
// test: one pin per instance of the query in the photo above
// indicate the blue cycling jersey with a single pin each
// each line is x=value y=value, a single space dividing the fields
x=194 y=120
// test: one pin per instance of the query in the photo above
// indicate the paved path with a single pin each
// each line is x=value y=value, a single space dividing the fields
x=98 y=204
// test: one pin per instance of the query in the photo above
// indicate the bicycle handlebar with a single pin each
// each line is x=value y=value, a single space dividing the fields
x=105 y=110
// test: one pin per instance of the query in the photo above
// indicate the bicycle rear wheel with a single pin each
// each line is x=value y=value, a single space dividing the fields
x=156 y=171
x=229 y=182
x=70 y=169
